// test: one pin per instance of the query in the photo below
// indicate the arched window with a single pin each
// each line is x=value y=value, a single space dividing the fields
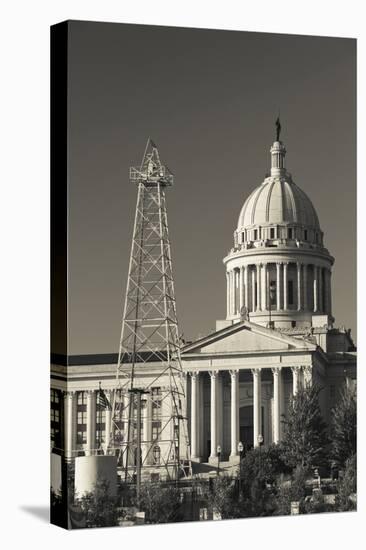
x=156 y=455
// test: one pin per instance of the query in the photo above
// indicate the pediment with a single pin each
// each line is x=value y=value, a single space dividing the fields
x=246 y=337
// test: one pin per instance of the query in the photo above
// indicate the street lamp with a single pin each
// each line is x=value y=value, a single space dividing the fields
x=240 y=449
x=218 y=450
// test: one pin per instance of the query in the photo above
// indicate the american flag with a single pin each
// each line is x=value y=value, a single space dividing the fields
x=103 y=400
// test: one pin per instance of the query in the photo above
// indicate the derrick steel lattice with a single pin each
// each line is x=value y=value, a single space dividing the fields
x=150 y=338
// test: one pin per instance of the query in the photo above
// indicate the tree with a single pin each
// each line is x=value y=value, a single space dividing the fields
x=344 y=426
x=221 y=495
x=99 y=506
x=347 y=487
x=293 y=490
x=160 y=504
x=305 y=439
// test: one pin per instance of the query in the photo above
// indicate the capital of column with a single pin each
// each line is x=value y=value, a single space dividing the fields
x=67 y=394
x=213 y=374
x=234 y=373
x=276 y=370
x=194 y=374
x=296 y=369
x=256 y=371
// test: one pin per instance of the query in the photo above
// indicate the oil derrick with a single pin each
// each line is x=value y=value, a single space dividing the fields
x=149 y=423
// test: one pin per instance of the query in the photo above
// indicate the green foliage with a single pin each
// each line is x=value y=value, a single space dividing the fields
x=305 y=439
x=99 y=507
x=222 y=496
x=344 y=426
x=317 y=504
x=263 y=464
x=294 y=490
x=347 y=487
x=160 y=504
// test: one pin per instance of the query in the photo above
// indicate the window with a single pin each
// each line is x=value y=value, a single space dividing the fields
x=243 y=237
x=290 y=289
x=316 y=238
x=272 y=293
x=272 y=233
x=81 y=437
x=55 y=415
x=156 y=402
x=293 y=324
x=156 y=455
x=156 y=430
x=289 y=233
x=305 y=235
x=81 y=418
x=255 y=234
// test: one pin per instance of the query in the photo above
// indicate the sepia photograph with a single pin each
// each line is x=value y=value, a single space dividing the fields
x=203 y=275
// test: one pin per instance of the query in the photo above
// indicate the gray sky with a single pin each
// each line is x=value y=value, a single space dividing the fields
x=209 y=100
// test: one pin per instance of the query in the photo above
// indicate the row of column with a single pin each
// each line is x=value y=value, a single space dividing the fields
x=70 y=425
x=249 y=286
x=300 y=375
x=70 y=422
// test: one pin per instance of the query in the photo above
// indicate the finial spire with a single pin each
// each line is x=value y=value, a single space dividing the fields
x=278 y=128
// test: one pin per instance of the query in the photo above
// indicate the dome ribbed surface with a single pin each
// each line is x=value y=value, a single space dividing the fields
x=278 y=201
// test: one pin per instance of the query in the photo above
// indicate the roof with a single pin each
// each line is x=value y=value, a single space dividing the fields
x=278 y=200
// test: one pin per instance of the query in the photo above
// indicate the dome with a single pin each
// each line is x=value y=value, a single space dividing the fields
x=278 y=201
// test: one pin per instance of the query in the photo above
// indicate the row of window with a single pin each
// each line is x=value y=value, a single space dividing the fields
x=292 y=233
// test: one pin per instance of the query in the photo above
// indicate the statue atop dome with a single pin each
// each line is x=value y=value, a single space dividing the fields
x=278 y=128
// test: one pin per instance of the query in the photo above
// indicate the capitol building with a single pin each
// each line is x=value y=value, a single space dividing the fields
x=278 y=334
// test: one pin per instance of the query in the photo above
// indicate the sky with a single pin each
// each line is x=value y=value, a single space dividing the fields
x=209 y=100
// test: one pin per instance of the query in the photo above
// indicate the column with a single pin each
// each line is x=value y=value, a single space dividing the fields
x=233 y=292
x=241 y=289
x=213 y=415
x=276 y=404
x=328 y=305
x=90 y=422
x=258 y=287
x=326 y=291
x=305 y=267
x=147 y=428
x=330 y=292
x=265 y=287
x=69 y=398
x=227 y=295
x=295 y=379
x=285 y=304
x=108 y=421
x=320 y=279
x=299 y=286
x=246 y=287
x=278 y=285
x=315 y=288
x=234 y=409
x=194 y=413
x=253 y=289
x=219 y=411
x=257 y=405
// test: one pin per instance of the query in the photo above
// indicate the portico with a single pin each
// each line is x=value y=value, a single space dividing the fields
x=242 y=395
